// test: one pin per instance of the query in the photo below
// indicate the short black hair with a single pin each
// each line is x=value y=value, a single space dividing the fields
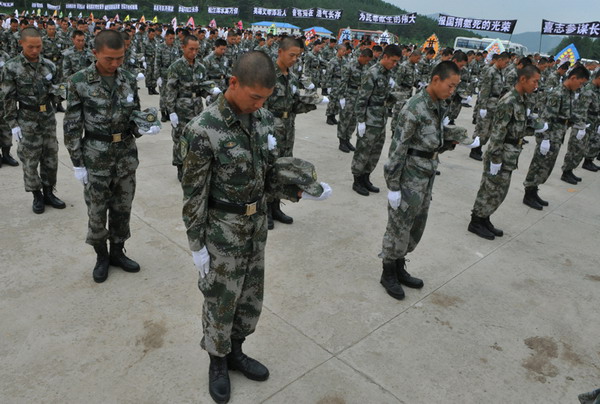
x=220 y=42
x=170 y=32
x=77 y=33
x=367 y=52
x=30 y=32
x=580 y=72
x=564 y=66
x=528 y=71
x=109 y=39
x=445 y=69
x=504 y=55
x=460 y=56
x=125 y=35
x=253 y=69
x=189 y=38
x=290 y=42
x=392 y=50
x=524 y=61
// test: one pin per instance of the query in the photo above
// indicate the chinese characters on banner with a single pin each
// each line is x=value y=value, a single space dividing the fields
x=370 y=18
x=269 y=12
x=223 y=10
x=317 y=13
x=591 y=29
x=502 y=26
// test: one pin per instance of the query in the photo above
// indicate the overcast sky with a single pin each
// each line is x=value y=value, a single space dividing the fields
x=528 y=13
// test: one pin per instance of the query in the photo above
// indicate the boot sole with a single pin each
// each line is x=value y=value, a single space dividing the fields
x=568 y=180
x=112 y=263
x=249 y=375
x=536 y=207
x=363 y=193
x=411 y=285
x=490 y=237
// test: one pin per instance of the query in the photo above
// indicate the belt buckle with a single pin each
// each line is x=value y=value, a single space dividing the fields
x=251 y=208
x=43 y=108
x=284 y=115
x=520 y=142
x=116 y=137
x=435 y=154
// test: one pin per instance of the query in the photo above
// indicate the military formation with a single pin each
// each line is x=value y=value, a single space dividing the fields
x=232 y=97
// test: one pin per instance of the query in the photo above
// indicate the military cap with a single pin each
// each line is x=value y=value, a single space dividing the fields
x=146 y=118
x=313 y=99
x=59 y=90
x=294 y=174
x=457 y=134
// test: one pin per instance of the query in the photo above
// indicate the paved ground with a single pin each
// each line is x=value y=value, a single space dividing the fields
x=513 y=320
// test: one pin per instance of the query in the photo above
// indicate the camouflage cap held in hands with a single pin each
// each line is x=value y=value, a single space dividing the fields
x=146 y=119
x=297 y=172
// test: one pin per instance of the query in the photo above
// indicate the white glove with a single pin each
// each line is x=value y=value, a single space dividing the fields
x=215 y=91
x=545 y=128
x=394 y=199
x=468 y=99
x=144 y=65
x=152 y=131
x=362 y=128
x=392 y=82
x=528 y=111
x=476 y=143
x=208 y=100
x=323 y=71
x=271 y=142
x=159 y=82
x=325 y=100
x=343 y=103
x=81 y=175
x=421 y=85
x=140 y=76
x=49 y=76
x=132 y=61
x=174 y=119
x=482 y=113
x=495 y=168
x=326 y=193
x=446 y=121
x=329 y=90
x=16 y=134
x=310 y=87
x=294 y=89
x=545 y=147
x=598 y=131
x=202 y=261
x=580 y=134
x=534 y=115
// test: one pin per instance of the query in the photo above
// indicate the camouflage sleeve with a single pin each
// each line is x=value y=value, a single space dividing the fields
x=499 y=130
x=157 y=63
x=551 y=109
x=66 y=62
x=196 y=183
x=367 y=85
x=346 y=75
x=581 y=107
x=9 y=89
x=407 y=127
x=73 y=124
x=172 y=85
x=485 y=89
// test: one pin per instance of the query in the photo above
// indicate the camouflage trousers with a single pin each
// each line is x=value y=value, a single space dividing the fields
x=483 y=126
x=454 y=107
x=38 y=148
x=176 y=136
x=347 y=121
x=333 y=108
x=541 y=166
x=162 y=90
x=593 y=144
x=285 y=134
x=492 y=191
x=575 y=150
x=405 y=225
x=233 y=288
x=368 y=150
x=401 y=99
x=149 y=73
x=5 y=133
x=112 y=197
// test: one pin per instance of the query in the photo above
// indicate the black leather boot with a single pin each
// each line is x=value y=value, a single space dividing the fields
x=38 y=202
x=100 y=272
x=343 y=146
x=331 y=120
x=119 y=259
x=530 y=198
x=219 y=386
x=567 y=176
x=588 y=164
x=164 y=117
x=270 y=223
x=179 y=172
x=496 y=231
x=279 y=215
x=404 y=277
x=350 y=146
x=578 y=179
x=476 y=153
x=537 y=198
x=478 y=226
x=359 y=186
x=369 y=185
x=251 y=368
x=52 y=200
x=324 y=91
x=7 y=158
x=152 y=91
x=59 y=107
x=389 y=280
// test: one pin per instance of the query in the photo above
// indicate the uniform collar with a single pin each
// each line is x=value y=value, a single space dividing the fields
x=229 y=116
x=93 y=76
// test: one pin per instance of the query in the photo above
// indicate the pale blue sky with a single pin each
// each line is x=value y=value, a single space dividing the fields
x=528 y=13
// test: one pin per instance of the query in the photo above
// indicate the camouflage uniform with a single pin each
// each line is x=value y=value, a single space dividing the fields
x=371 y=108
x=506 y=139
x=348 y=89
x=150 y=55
x=405 y=78
x=334 y=77
x=101 y=112
x=52 y=49
x=186 y=85
x=474 y=74
x=558 y=113
x=226 y=159
x=424 y=70
x=460 y=94
x=312 y=69
x=14 y=48
x=586 y=110
x=30 y=85
x=492 y=88
x=554 y=80
x=75 y=60
x=217 y=70
x=131 y=61
x=5 y=133
x=165 y=56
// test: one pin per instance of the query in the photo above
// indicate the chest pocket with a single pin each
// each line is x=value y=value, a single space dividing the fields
x=234 y=166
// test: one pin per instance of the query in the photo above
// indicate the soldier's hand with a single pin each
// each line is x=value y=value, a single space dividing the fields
x=580 y=134
x=362 y=128
x=144 y=65
x=545 y=128
x=140 y=76
x=343 y=103
x=81 y=175
x=482 y=113
x=495 y=168
x=476 y=143
x=159 y=82
x=446 y=121
x=392 y=82
x=271 y=142
x=326 y=193
x=468 y=100
x=202 y=261
x=174 y=119
x=152 y=131
x=544 y=147
x=394 y=199
x=215 y=91
x=325 y=100
x=310 y=86
x=598 y=130
x=16 y=134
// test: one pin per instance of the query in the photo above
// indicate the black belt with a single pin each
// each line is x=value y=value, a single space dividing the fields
x=36 y=108
x=376 y=104
x=515 y=142
x=113 y=138
x=283 y=115
x=353 y=87
x=221 y=77
x=560 y=121
x=247 y=209
x=421 y=153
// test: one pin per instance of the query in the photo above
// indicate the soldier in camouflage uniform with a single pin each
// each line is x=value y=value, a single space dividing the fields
x=14 y=39
x=559 y=115
x=410 y=172
x=77 y=57
x=28 y=83
x=100 y=138
x=555 y=78
x=187 y=83
x=333 y=79
x=6 y=37
x=312 y=67
x=584 y=142
x=217 y=65
x=166 y=54
x=150 y=45
x=405 y=77
x=52 y=49
x=492 y=88
x=371 y=115
x=424 y=68
x=461 y=94
x=502 y=155
x=5 y=132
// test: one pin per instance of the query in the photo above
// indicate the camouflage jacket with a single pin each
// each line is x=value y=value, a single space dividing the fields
x=554 y=79
x=285 y=98
x=508 y=128
x=491 y=89
x=405 y=78
x=232 y=52
x=150 y=50
x=558 y=107
x=462 y=90
x=351 y=78
x=52 y=49
x=65 y=37
x=224 y=160
x=424 y=69
x=373 y=95
x=94 y=108
x=587 y=106
x=510 y=74
x=14 y=48
x=131 y=61
x=328 y=53
x=74 y=60
x=185 y=86
x=270 y=51
x=29 y=84
x=334 y=74
x=165 y=56
x=312 y=66
x=217 y=69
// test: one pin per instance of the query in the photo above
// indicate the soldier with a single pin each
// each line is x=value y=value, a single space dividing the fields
x=166 y=54
x=502 y=154
x=7 y=36
x=555 y=78
x=216 y=64
x=52 y=50
x=410 y=172
x=424 y=68
x=14 y=39
x=65 y=34
x=586 y=110
x=78 y=57
x=348 y=92
x=558 y=114
x=187 y=83
x=333 y=78
x=150 y=45
x=5 y=133
x=312 y=67
x=102 y=100
x=492 y=88
x=404 y=80
x=329 y=52
x=29 y=79
x=371 y=115
x=462 y=91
